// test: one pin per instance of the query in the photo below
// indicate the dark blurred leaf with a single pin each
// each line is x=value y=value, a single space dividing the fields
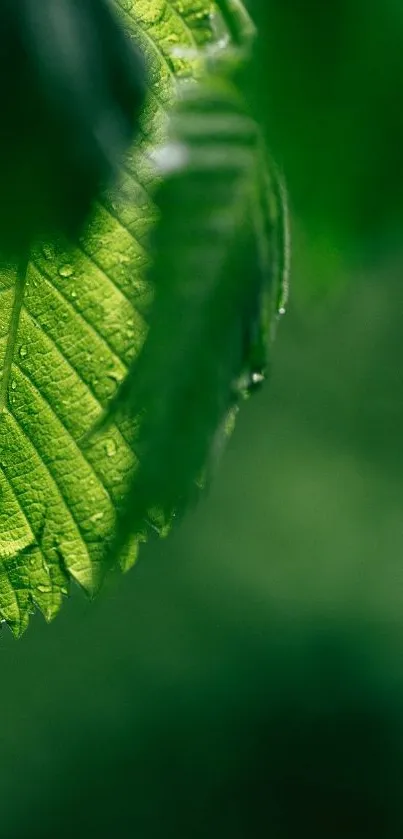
x=73 y=88
x=328 y=87
x=218 y=273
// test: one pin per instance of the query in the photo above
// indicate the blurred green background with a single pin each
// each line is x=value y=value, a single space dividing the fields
x=246 y=679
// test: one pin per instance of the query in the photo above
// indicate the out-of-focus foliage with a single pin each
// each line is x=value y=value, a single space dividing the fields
x=331 y=80
x=219 y=271
x=75 y=90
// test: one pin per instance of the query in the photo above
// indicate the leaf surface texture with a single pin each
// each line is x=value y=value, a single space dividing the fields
x=83 y=320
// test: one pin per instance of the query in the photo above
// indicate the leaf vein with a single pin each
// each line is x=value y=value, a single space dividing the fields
x=79 y=315
x=68 y=433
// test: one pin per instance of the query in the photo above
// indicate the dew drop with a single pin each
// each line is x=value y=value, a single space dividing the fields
x=14 y=385
x=281 y=310
x=255 y=382
x=115 y=377
x=96 y=517
x=48 y=252
x=257 y=378
x=66 y=271
x=23 y=352
x=110 y=448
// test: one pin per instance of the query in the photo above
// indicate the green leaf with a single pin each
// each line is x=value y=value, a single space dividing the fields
x=164 y=350
x=83 y=320
x=219 y=278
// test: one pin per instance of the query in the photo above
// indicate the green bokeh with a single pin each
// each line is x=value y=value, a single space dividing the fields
x=330 y=78
x=246 y=679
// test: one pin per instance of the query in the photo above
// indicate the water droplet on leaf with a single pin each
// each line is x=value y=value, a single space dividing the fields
x=257 y=379
x=66 y=271
x=97 y=517
x=110 y=448
x=48 y=252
